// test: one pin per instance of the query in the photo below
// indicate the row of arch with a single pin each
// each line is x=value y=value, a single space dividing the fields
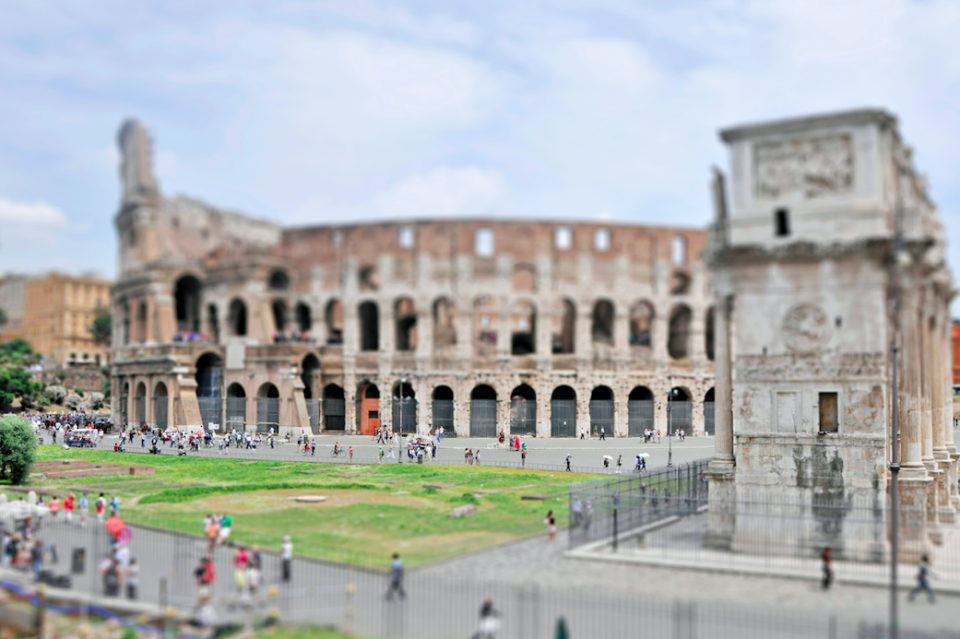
x=522 y=320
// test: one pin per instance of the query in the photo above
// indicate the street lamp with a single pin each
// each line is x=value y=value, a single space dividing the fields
x=403 y=382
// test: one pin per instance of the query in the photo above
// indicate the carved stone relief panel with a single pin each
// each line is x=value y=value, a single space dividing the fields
x=811 y=167
x=805 y=328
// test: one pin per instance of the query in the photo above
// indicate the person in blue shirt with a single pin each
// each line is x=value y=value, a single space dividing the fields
x=396 y=579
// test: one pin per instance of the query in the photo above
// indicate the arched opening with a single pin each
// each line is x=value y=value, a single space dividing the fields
x=279 y=281
x=404 y=408
x=142 y=322
x=601 y=411
x=679 y=342
x=236 y=407
x=237 y=318
x=523 y=323
x=709 y=413
x=484 y=325
x=483 y=411
x=564 y=338
x=334 y=408
x=209 y=384
x=444 y=323
x=268 y=408
x=333 y=317
x=304 y=318
x=443 y=410
x=141 y=402
x=369 y=409
x=641 y=324
x=213 y=323
x=279 y=308
x=563 y=412
x=186 y=293
x=524 y=278
x=639 y=411
x=679 y=283
x=523 y=411
x=369 y=316
x=708 y=334
x=679 y=411
x=124 y=324
x=603 y=316
x=405 y=318
x=161 y=405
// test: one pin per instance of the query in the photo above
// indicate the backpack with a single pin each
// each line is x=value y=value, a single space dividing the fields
x=111 y=580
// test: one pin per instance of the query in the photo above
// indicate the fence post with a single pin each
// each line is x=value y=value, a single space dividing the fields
x=615 y=541
x=163 y=606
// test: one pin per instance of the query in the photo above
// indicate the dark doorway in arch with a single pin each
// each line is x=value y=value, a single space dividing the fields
x=443 y=411
x=679 y=412
x=160 y=405
x=236 y=407
x=142 y=322
x=405 y=316
x=279 y=315
x=186 y=294
x=601 y=411
x=369 y=317
x=523 y=411
x=268 y=408
x=210 y=388
x=304 y=318
x=564 y=336
x=709 y=414
x=279 y=281
x=334 y=408
x=333 y=317
x=141 y=398
x=310 y=376
x=678 y=345
x=237 y=318
x=603 y=318
x=563 y=412
x=523 y=320
x=639 y=411
x=404 y=409
x=641 y=324
x=483 y=411
x=369 y=403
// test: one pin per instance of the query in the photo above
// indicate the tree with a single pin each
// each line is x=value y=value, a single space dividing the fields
x=17 y=449
x=3 y=316
x=102 y=327
x=18 y=351
x=16 y=381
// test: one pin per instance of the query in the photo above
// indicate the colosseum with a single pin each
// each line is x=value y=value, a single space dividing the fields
x=543 y=329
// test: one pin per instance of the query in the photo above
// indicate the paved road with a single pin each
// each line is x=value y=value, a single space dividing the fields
x=586 y=455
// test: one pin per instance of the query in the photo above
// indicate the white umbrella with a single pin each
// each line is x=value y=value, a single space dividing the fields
x=643 y=455
x=607 y=457
x=21 y=510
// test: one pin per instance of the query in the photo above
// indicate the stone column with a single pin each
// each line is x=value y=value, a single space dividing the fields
x=926 y=370
x=723 y=459
x=543 y=335
x=946 y=352
x=910 y=429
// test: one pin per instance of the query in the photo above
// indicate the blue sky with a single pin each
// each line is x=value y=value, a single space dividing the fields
x=309 y=112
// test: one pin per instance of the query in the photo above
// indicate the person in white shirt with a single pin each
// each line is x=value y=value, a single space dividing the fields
x=286 y=556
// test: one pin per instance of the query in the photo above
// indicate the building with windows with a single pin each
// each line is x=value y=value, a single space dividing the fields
x=54 y=312
x=475 y=325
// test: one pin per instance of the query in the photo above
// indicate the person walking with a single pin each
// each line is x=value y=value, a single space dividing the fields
x=132 y=579
x=923 y=581
x=551 y=523
x=101 y=503
x=68 y=505
x=84 y=509
x=603 y=435
x=583 y=433
x=286 y=559
x=350 y=454
x=380 y=456
x=827 y=558
x=489 y=623
x=226 y=527
x=396 y=579
x=568 y=462
x=619 y=463
x=523 y=458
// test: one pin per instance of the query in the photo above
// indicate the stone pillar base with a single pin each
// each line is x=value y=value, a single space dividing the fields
x=913 y=527
x=722 y=511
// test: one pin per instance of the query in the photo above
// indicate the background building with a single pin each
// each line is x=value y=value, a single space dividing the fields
x=54 y=312
x=534 y=327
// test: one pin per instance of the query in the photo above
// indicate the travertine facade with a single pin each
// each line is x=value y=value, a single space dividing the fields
x=534 y=327
x=807 y=275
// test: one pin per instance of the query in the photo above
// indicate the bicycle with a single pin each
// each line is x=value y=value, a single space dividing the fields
x=337 y=453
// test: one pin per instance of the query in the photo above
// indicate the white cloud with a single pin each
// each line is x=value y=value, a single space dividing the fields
x=31 y=213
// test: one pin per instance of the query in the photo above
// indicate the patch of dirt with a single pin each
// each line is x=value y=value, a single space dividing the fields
x=266 y=500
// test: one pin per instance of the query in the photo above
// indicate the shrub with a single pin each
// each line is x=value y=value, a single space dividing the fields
x=96 y=400
x=73 y=401
x=17 y=449
x=55 y=393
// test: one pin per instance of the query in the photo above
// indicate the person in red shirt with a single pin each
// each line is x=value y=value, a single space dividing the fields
x=68 y=507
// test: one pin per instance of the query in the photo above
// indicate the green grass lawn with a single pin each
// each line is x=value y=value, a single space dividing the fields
x=370 y=512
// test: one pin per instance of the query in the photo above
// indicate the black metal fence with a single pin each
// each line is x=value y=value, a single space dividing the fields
x=604 y=509
x=433 y=607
